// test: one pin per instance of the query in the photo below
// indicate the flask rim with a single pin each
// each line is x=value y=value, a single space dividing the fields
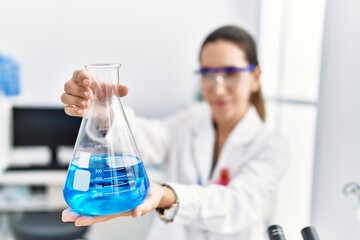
x=103 y=65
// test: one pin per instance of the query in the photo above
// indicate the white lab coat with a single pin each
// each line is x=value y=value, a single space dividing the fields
x=184 y=142
x=257 y=160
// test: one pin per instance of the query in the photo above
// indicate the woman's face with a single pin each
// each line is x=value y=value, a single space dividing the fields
x=228 y=94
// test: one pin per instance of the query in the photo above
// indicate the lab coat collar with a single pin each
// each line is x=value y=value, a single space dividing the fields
x=246 y=130
x=204 y=140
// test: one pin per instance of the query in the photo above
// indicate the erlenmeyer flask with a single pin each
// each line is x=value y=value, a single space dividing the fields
x=106 y=174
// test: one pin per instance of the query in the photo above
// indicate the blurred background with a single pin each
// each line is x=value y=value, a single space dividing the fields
x=309 y=55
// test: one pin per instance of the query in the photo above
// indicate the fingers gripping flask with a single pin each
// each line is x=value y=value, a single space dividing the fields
x=106 y=174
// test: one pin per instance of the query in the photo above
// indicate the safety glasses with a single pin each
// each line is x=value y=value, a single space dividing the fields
x=226 y=70
x=229 y=76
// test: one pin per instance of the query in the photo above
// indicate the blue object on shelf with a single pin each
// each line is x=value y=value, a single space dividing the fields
x=2 y=77
x=9 y=76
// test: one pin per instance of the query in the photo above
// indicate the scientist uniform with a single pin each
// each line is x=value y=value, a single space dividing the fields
x=256 y=159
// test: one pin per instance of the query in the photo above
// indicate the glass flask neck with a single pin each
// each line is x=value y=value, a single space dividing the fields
x=106 y=73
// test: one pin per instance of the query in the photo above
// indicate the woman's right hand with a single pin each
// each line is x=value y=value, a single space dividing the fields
x=80 y=89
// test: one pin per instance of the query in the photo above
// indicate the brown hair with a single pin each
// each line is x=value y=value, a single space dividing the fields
x=246 y=42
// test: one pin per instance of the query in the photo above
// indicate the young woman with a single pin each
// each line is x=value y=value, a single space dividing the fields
x=224 y=167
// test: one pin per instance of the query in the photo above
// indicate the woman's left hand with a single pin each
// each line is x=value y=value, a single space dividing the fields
x=152 y=201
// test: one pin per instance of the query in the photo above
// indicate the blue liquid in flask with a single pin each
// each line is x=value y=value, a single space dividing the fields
x=102 y=189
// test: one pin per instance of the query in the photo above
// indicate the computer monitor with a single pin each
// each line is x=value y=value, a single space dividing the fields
x=44 y=126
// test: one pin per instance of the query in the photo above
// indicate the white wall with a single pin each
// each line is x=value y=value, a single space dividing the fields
x=156 y=41
x=337 y=159
x=290 y=63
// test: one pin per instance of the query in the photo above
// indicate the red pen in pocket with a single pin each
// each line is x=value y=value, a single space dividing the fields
x=224 y=177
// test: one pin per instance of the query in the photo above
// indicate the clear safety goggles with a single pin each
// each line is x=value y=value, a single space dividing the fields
x=229 y=76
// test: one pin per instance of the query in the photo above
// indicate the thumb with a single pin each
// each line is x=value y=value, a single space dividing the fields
x=122 y=90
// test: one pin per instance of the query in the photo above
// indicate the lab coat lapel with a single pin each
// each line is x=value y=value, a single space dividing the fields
x=243 y=133
x=203 y=145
